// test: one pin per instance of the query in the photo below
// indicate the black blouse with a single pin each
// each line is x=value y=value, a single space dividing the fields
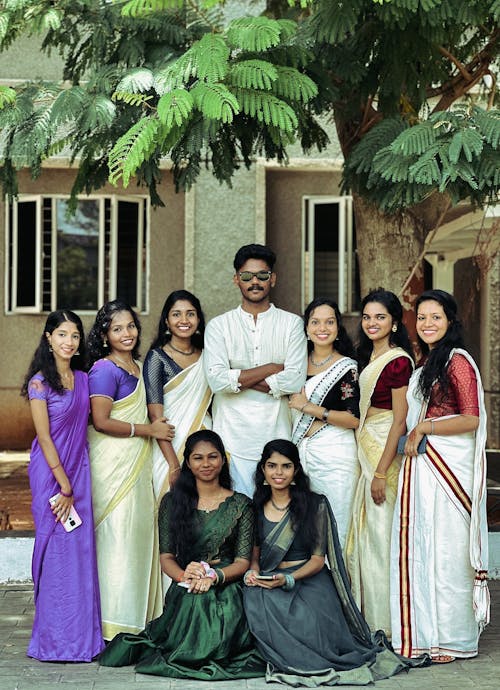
x=343 y=396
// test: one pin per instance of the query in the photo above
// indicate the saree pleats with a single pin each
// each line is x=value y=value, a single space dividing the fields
x=125 y=522
x=369 y=541
x=439 y=596
x=67 y=624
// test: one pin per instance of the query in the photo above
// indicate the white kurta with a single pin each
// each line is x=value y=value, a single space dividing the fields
x=247 y=419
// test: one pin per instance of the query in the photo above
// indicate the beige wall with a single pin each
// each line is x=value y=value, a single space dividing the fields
x=285 y=189
x=19 y=334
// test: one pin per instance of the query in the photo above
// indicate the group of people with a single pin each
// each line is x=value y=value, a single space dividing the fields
x=267 y=406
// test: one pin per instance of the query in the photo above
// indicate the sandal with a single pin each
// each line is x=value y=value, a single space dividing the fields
x=442 y=659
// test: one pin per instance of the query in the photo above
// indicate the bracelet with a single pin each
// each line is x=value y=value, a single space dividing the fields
x=132 y=429
x=379 y=475
x=181 y=577
x=432 y=427
x=303 y=406
x=55 y=466
x=66 y=495
x=176 y=469
x=289 y=582
x=245 y=576
x=325 y=414
x=221 y=575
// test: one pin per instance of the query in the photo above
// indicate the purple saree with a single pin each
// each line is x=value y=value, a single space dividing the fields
x=67 y=624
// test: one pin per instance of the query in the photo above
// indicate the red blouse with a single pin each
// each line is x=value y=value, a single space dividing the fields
x=461 y=397
x=395 y=375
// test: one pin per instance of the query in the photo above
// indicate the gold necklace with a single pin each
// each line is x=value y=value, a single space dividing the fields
x=69 y=377
x=125 y=365
x=211 y=504
x=376 y=356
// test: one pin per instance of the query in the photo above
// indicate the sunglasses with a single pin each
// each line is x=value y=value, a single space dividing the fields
x=247 y=276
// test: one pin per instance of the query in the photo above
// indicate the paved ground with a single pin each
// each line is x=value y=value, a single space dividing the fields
x=17 y=672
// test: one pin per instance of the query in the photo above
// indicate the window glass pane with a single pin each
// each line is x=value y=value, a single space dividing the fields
x=77 y=255
x=326 y=250
x=126 y=270
x=26 y=254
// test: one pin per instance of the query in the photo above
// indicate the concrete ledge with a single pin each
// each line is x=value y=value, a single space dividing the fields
x=15 y=558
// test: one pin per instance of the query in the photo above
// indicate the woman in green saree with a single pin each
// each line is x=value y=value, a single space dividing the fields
x=301 y=613
x=206 y=537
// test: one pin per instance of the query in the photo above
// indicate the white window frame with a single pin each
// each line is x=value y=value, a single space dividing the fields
x=345 y=244
x=11 y=277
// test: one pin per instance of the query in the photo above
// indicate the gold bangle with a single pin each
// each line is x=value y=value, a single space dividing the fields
x=55 y=466
x=379 y=475
x=432 y=427
x=176 y=469
x=303 y=406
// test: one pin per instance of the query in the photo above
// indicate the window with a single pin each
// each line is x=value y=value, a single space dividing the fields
x=56 y=260
x=330 y=263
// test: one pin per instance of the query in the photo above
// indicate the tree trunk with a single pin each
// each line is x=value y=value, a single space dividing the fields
x=390 y=246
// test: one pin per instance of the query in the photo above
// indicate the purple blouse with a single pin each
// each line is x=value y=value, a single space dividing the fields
x=111 y=381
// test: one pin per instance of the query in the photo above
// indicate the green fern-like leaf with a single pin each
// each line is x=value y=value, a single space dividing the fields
x=253 y=74
x=215 y=101
x=132 y=149
x=383 y=134
x=140 y=8
x=267 y=108
x=136 y=81
x=100 y=112
x=415 y=140
x=4 y=25
x=211 y=54
x=467 y=140
x=294 y=85
x=68 y=105
x=488 y=122
x=255 y=34
x=175 y=107
x=7 y=96
x=131 y=98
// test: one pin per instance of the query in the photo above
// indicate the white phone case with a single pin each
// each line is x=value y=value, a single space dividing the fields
x=73 y=521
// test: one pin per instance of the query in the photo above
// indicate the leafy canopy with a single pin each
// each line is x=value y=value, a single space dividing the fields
x=146 y=79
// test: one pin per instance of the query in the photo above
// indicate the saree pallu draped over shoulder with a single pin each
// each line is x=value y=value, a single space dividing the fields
x=201 y=636
x=67 y=624
x=314 y=634
x=125 y=521
x=186 y=399
x=439 y=599
x=329 y=455
x=369 y=540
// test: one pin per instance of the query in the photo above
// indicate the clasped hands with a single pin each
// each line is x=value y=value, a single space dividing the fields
x=195 y=575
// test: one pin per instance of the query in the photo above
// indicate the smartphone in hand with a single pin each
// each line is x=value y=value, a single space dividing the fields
x=73 y=521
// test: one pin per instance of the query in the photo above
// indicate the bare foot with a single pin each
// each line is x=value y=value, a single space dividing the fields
x=443 y=659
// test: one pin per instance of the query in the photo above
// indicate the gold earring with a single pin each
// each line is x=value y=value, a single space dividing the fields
x=265 y=482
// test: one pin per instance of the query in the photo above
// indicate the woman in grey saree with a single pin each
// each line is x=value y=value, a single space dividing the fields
x=301 y=613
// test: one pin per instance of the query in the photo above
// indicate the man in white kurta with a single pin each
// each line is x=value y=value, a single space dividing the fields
x=255 y=356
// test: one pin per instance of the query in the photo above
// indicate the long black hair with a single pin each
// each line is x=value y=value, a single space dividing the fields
x=184 y=495
x=343 y=343
x=398 y=338
x=43 y=360
x=102 y=323
x=162 y=336
x=435 y=367
x=304 y=502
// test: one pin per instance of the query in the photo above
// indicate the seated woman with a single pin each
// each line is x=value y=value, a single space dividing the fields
x=206 y=534
x=301 y=613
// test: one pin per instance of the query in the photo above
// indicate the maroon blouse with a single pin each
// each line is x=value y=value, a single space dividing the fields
x=461 y=397
x=395 y=375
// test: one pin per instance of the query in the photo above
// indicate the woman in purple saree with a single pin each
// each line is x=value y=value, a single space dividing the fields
x=67 y=623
